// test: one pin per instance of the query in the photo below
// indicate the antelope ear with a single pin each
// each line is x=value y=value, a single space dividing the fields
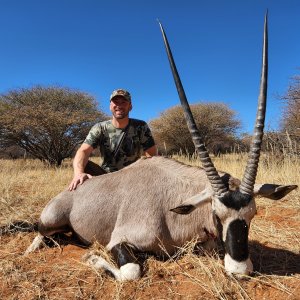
x=194 y=202
x=273 y=191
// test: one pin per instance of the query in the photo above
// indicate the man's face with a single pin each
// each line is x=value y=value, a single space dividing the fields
x=120 y=107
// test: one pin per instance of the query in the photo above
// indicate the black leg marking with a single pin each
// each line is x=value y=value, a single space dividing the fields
x=236 y=244
x=123 y=254
x=62 y=235
x=45 y=230
x=64 y=240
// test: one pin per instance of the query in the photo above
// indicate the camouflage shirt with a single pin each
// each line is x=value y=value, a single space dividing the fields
x=104 y=135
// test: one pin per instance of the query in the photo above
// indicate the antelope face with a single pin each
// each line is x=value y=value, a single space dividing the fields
x=234 y=212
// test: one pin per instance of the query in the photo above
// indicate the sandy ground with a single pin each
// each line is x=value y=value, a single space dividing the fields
x=58 y=272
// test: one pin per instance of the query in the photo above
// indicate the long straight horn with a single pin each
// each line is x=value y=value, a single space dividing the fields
x=211 y=172
x=248 y=181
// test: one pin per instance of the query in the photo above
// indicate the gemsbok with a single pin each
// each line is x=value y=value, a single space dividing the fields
x=157 y=204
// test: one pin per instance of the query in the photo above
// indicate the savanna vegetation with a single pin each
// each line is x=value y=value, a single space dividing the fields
x=47 y=123
x=58 y=273
x=217 y=123
x=291 y=114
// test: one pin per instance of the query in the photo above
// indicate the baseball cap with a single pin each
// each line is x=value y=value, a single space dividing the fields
x=122 y=93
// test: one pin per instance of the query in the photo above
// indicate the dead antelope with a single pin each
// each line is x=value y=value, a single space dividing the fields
x=132 y=210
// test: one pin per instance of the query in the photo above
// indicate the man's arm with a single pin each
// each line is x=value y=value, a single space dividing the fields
x=80 y=160
x=152 y=151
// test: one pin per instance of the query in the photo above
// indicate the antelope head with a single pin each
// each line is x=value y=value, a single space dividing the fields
x=233 y=210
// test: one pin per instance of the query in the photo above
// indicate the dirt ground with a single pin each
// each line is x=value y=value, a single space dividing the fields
x=58 y=272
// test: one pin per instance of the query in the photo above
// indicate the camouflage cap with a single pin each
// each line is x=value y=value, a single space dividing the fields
x=122 y=93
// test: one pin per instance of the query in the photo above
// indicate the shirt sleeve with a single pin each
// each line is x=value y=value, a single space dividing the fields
x=147 y=140
x=94 y=136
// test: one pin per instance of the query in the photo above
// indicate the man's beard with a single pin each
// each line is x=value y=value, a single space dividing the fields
x=120 y=116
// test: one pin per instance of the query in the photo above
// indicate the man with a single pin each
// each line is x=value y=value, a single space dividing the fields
x=121 y=141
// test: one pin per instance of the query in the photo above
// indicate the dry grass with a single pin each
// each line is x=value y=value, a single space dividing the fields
x=58 y=273
x=26 y=185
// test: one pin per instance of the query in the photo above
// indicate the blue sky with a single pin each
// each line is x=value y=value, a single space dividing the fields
x=97 y=46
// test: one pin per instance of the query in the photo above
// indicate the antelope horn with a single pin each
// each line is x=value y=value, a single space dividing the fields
x=248 y=181
x=211 y=172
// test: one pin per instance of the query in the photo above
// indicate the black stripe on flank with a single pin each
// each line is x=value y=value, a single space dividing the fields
x=236 y=243
x=236 y=200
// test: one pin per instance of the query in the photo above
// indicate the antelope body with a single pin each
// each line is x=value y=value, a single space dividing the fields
x=129 y=211
x=125 y=208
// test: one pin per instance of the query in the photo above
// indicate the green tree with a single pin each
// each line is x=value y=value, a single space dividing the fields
x=48 y=122
x=215 y=121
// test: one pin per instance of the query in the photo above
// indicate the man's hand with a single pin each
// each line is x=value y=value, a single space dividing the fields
x=78 y=179
x=79 y=163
